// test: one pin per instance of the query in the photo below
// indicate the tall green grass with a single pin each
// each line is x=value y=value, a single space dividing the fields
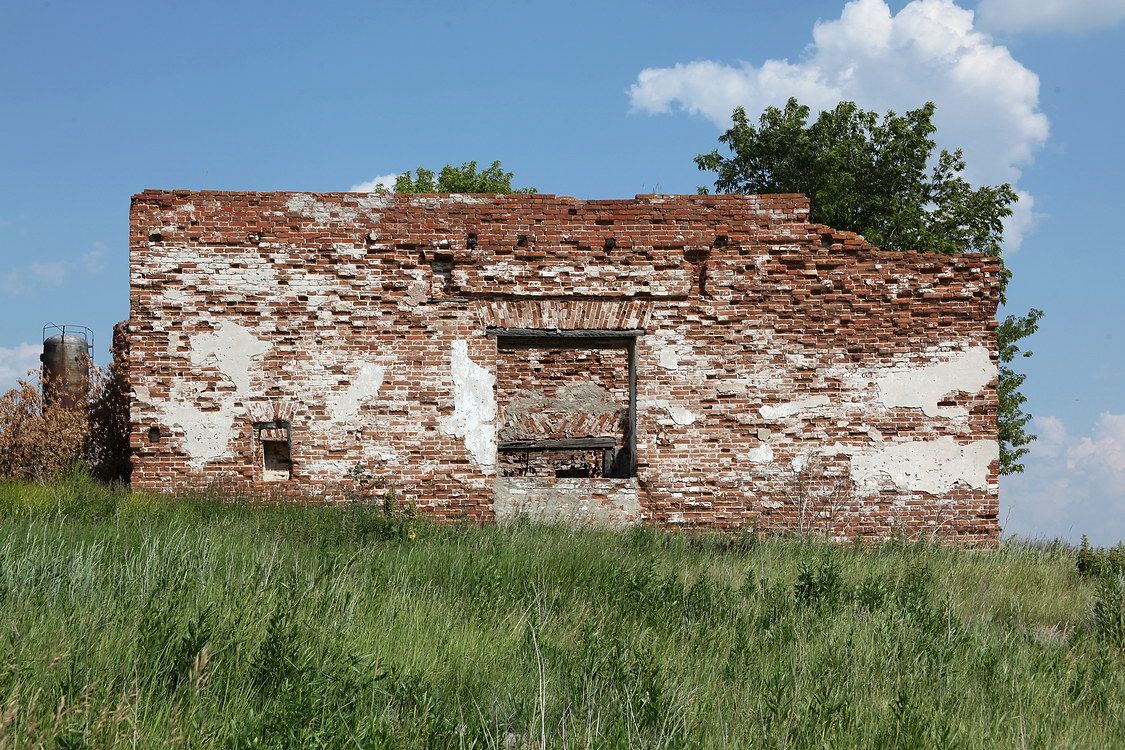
x=131 y=621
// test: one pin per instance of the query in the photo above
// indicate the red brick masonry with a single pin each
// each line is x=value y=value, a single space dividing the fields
x=787 y=376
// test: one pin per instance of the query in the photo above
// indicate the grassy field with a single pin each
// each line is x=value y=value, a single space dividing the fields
x=128 y=621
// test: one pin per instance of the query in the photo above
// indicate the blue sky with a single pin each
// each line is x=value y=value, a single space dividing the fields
x=591 y=99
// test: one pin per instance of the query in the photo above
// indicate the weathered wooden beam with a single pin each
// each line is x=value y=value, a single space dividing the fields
x=630 y=468
x=570 y=333
x=560 y=444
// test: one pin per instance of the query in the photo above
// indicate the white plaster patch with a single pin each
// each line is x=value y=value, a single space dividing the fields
x=923 y=387
x=343 y=406
x=678 y=414
x=763 y=454
x=324 y=212
x=207 y=434
x=800 y=361
x=931 y=466
x=671 y=347
x=373 y=452
x=328 y=469
x=233 y=348
x=789 y=408
x=668 y=358
x=474 y=406
x=431 y=201
x=417 y=290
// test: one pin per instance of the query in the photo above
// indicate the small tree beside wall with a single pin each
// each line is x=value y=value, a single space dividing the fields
x=40 y=442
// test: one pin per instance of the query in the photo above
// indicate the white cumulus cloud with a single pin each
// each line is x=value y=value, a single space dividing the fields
x=987 y=102
x=19 y=280
x=1072 y=485
x=1102 y=452
x=386 y=181
x=1016 y=16
x=15 y=362
x=92 y=261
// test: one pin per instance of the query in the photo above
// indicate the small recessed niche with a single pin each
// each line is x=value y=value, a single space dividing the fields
x=610 y=243
x=154 y=434
x=277 y=463
x=721 y=240
x=521 y=240
x=471 y=241
x=276 y=452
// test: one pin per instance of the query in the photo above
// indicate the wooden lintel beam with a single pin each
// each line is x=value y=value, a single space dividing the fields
x=562 y=444
x=571 y=333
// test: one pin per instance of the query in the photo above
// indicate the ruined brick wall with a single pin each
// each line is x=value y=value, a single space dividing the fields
x=787 y=376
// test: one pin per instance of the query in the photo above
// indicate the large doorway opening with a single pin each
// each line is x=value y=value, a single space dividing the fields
x=567 y=402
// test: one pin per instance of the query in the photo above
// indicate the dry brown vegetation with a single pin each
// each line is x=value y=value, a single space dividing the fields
x=40 y=442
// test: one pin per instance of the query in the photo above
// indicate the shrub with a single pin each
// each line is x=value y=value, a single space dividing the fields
x=40 y=442
x=821 y=587
x=1095 y=562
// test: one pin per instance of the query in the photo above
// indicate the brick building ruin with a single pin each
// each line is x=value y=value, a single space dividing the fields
x=712 y=361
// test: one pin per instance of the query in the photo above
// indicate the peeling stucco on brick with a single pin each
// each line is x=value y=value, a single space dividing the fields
x=343 y=406
x=612 y=503
x=677 y=414
x=762 y=454
x=206 y=434
x=788 y=361
x=233 y=348
x=789 y=408
x=206 y=418
x=474 y=405
x=923 y=386
x=932 y=466
x=324 y=212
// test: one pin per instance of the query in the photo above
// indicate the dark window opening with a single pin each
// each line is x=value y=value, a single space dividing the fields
x=277 y=465
x=574 y=472
x=276 y=439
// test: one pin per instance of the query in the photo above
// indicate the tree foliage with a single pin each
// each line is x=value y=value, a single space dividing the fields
x=879 y=176
x=462 y=179
x=1012 y=420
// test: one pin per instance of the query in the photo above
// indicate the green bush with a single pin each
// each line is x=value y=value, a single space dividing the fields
x=1098 y=562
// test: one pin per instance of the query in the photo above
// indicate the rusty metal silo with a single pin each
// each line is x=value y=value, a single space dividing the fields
x=66 y=364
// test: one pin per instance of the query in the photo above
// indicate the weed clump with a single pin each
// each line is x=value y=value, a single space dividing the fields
x=1095 y=562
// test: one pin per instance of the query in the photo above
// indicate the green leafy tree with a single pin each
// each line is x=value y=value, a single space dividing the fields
x=462 y=179
x=878 y=176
